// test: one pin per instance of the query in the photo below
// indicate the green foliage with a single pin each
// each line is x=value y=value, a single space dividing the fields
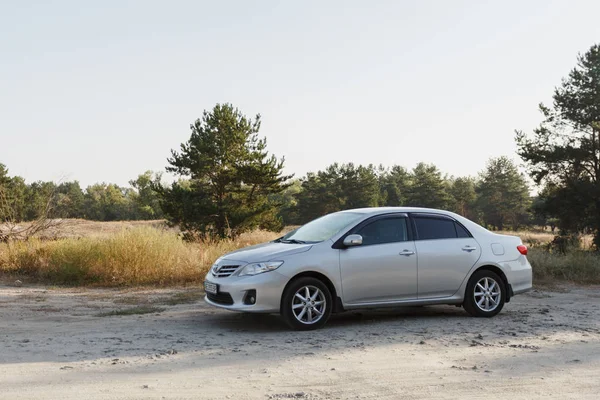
x=147 y=200
x=287 y=203
x=338 y=187
x=17 y=200
x=393 y=186
x=231 y=176
x=564 y=151
x=463 y=197
x=106 y=202
x=69 y=200
x=428 y=188
x=39 y=198
x=4 y=178
x=500 y=198
x=503 y=194
x=13 y=199
x=103 y=202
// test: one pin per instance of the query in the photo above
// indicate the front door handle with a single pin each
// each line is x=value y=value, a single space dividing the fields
x=407 y=253
x=469 y=248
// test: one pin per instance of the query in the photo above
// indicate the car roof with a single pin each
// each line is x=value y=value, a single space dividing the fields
x=380 y=210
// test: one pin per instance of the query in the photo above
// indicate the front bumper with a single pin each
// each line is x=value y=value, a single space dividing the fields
x=269 y=287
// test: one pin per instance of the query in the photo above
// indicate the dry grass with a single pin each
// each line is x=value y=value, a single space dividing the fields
x=578 y=266
x=531 y=238
x=541 y=238
x=81 y=228
x=137 y=256
x=146 y=253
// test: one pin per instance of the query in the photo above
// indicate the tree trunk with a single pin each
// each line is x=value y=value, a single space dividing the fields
x=597 y=227
x=221 y=223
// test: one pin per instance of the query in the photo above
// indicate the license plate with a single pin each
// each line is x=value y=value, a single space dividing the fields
x=210 y=287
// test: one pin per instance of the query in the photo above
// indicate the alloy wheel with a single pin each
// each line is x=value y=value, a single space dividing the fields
x=308 y=304
x=487 y=294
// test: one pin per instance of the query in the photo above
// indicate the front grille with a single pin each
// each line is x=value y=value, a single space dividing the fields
x=220 y=298
x=225 y=271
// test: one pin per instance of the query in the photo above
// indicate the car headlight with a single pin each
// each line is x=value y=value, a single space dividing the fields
x=259 y=268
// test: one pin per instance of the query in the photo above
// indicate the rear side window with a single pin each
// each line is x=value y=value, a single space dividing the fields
x=461 y=231
x=435 y=228
x=386 y=230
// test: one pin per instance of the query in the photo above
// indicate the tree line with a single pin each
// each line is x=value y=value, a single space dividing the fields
x=497 y=197
x=21 y=201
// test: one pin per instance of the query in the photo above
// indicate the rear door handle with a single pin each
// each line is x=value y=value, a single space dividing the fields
x=469 y=248
x=407 y=253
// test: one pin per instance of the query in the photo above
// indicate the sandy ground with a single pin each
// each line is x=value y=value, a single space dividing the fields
x=60 y=344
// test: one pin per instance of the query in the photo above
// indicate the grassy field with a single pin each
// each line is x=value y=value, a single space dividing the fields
x=133 y=255
x=149 y=253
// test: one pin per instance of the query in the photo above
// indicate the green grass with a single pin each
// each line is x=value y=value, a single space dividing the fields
x=132 y=311
x=578 y=266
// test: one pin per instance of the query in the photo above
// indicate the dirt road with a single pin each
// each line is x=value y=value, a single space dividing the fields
x=74 y=344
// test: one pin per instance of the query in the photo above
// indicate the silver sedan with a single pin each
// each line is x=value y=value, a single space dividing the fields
x=370 y=258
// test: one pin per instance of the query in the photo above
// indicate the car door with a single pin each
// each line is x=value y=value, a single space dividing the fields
x=384 y=267
x=446 y=252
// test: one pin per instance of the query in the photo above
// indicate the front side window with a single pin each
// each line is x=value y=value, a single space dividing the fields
x=435 y=228
x=323 y=228
x=386 y=230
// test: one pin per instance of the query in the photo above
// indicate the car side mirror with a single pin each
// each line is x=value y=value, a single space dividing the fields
x=353 y=240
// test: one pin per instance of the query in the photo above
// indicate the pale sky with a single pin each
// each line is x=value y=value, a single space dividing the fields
x=101 y=91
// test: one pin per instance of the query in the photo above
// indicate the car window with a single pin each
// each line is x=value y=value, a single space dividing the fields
x=386 y=230
x=435 y=228
x=461 y=231
x=323 y=228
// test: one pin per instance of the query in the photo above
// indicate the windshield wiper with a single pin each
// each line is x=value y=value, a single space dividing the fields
x=293 y=241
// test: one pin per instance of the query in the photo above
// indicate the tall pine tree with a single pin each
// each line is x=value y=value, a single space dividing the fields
x=230 y=176
x=565 y=149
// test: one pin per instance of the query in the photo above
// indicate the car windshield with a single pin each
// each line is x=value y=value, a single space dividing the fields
x=321 y=228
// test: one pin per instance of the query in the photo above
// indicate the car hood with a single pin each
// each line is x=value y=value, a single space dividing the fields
x=266 y=252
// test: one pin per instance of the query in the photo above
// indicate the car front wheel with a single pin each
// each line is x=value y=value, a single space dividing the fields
x=485 y=294
x=306 y=304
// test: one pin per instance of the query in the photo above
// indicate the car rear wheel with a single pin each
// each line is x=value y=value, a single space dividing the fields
x=306 y=304
x=485 y=294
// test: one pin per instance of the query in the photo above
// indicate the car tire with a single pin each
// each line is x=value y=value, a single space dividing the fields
x=482 y=301
x=317 y=308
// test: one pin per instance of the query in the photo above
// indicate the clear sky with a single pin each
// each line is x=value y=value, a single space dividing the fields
x=101 y=91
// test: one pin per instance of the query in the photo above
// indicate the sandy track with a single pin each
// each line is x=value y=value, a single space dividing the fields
x=53 y=345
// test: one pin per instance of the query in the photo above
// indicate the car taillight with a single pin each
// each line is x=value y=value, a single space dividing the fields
x=522 y=249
